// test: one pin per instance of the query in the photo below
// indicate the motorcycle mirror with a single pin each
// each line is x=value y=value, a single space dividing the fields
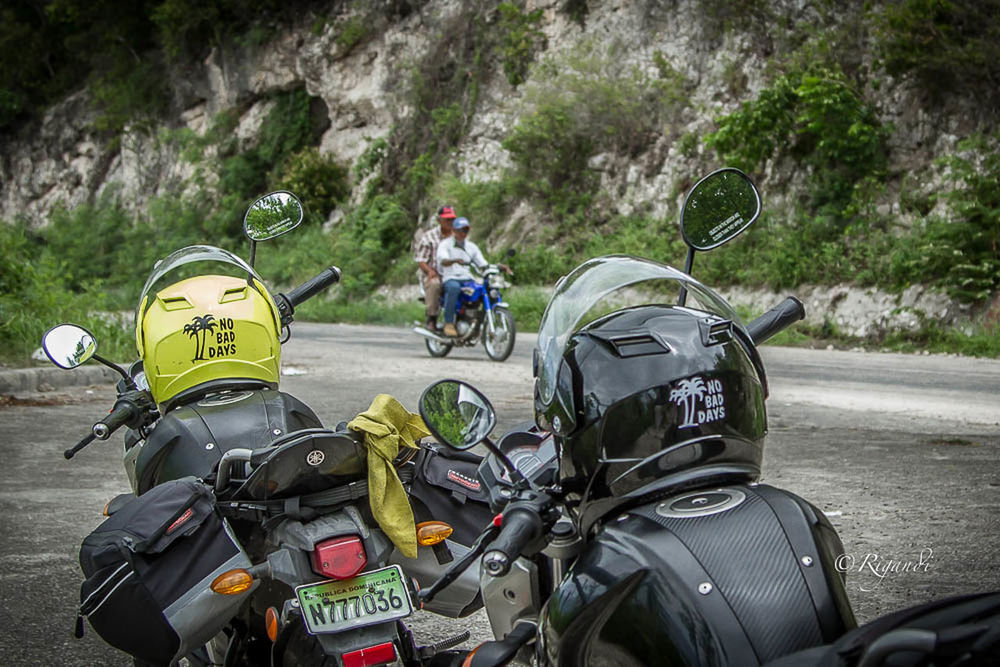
x=457 y=414
x=69 y=345
x=718 y=208
x=272 y=215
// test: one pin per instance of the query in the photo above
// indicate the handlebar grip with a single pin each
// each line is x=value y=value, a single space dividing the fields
x=314 y=286
x=122 y=413
x=521 y=526
x=775 y=320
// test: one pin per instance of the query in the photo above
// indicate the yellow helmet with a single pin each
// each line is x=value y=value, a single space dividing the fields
x=208 y=331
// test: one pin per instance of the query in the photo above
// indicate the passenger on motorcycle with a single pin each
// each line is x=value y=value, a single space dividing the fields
x=454 y=255
x=426 y=258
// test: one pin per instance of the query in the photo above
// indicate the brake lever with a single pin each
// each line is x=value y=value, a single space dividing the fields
x=71 y=452
x=459 y=566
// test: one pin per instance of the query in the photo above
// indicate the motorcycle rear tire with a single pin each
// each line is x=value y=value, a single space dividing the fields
x=437 y=349
x=505 y=330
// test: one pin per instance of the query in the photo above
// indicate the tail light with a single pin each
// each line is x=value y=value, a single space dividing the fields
x=340 y=557
x=373 y=655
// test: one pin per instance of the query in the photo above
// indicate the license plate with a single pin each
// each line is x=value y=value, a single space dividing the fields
x=372 y=597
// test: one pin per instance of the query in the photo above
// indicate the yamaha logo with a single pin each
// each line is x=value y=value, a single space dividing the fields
x=315 y=457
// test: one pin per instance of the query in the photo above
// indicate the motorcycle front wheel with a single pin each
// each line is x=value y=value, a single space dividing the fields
x=437 y=349
x=500 y=342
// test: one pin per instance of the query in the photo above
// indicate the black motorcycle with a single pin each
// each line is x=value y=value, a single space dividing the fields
x=632 y=528
x=248 y=538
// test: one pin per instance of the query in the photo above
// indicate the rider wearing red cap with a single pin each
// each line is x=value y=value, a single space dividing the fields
x=426 y=258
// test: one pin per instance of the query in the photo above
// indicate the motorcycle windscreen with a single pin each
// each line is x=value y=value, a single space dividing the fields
x=306 y=462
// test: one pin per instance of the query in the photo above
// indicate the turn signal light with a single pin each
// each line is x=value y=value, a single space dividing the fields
x=232 y=582
x=373 y=655
x=340 y=558
x=272 y=624
x=430 y=533
x=472 y=654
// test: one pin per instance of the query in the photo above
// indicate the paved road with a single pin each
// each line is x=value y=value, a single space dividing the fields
x=902 y=452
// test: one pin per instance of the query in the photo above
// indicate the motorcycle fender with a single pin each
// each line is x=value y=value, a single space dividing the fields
x=733 y=576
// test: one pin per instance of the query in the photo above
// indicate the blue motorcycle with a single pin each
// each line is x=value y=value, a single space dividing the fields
x=481 y=313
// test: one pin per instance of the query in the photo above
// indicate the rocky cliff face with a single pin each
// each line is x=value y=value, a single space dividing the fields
x=61 y=161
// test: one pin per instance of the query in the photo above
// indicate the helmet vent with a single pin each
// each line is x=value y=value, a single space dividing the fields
x=171 y=303
x=717 y=332
x=234 y=294
x=636 y=346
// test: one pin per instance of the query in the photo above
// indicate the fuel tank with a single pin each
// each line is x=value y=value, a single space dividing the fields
x=191 y=439
x=737 y=575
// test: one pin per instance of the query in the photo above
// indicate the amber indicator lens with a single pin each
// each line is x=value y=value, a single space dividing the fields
x=233 y=582
x=430 y=533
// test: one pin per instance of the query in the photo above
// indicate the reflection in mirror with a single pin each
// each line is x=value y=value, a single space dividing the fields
x=68 y=345
x=272 y=215
x=718 y=208
x=457 y=414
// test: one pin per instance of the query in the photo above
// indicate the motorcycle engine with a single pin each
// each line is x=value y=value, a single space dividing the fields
x=462 y=326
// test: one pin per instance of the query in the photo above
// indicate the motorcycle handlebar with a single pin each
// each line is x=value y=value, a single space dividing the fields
x=122 y=413
x=314 y=286
x=71 y=452
x=521 y=526
x=775 y=320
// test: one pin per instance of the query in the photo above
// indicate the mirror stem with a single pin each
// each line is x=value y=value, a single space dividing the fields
x=688 y=264
x=515 y=474
x=129 y=382
x=253 y=251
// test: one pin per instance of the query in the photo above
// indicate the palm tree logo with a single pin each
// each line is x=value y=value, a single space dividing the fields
x=200 y=325
x=685 y=394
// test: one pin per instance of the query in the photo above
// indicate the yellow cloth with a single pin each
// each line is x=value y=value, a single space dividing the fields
x=387 y=426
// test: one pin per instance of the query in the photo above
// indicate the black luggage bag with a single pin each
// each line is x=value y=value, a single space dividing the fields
x=446 y=483
x=149 y=568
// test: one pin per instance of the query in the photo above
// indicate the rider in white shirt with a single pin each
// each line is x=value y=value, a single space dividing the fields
x=454 y=254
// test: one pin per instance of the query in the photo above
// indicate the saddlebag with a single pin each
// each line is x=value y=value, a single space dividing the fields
x=149 y=568
x=446 y=487
x=446 y=483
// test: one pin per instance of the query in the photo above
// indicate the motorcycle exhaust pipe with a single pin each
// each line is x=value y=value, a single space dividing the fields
x=427 y=333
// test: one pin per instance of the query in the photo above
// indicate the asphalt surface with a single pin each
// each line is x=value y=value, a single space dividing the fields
x=901 y=452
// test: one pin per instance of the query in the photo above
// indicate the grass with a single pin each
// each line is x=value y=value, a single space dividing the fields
x=526 y=302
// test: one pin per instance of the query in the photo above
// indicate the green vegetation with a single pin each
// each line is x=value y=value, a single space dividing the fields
x=582 y=116
x=521 y=40
x=819 y=119
x=961 y=253
x=33 y=299
x=581 y=103
x=354 y=31
x=951 y=47
x=527 y=303
x=123 y=50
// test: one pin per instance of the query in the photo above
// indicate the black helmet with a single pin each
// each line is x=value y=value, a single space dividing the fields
x=647 y=396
